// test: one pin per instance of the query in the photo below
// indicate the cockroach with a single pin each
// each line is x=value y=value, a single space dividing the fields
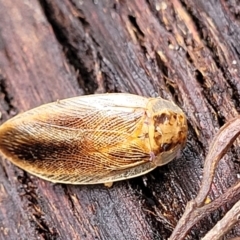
x=94 y=139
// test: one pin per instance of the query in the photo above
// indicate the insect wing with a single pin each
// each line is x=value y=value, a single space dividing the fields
x=77 y=140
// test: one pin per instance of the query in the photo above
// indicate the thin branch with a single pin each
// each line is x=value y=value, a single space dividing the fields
x=223 y=226
x=197 y=209
x=222 y=141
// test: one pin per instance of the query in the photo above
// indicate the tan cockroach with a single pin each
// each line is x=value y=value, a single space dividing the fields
x=95 y=139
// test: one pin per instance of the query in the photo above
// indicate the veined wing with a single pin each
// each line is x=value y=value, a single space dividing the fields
x=83 y=136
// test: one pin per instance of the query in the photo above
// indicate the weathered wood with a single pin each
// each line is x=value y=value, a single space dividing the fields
x=185 y=51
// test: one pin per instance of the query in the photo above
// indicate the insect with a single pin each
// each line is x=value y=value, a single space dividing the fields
x=93 y=139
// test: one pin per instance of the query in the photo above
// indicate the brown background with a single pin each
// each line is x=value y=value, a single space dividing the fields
x=186 y=51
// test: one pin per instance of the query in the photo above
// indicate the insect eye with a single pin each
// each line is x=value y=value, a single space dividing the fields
x=166 y=147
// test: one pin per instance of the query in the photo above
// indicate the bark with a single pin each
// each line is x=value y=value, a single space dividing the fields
x=184 y=51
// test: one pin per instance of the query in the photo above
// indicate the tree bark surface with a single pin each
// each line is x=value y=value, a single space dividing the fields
x=185 y=51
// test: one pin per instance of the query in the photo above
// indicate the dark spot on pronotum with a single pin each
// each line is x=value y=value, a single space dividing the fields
x=158 y=137
x=161 y=119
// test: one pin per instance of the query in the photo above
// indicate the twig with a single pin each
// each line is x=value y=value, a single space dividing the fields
x=222 y=227
x=197 y=208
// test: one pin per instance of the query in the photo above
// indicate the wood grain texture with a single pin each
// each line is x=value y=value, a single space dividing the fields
x=187 y=52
